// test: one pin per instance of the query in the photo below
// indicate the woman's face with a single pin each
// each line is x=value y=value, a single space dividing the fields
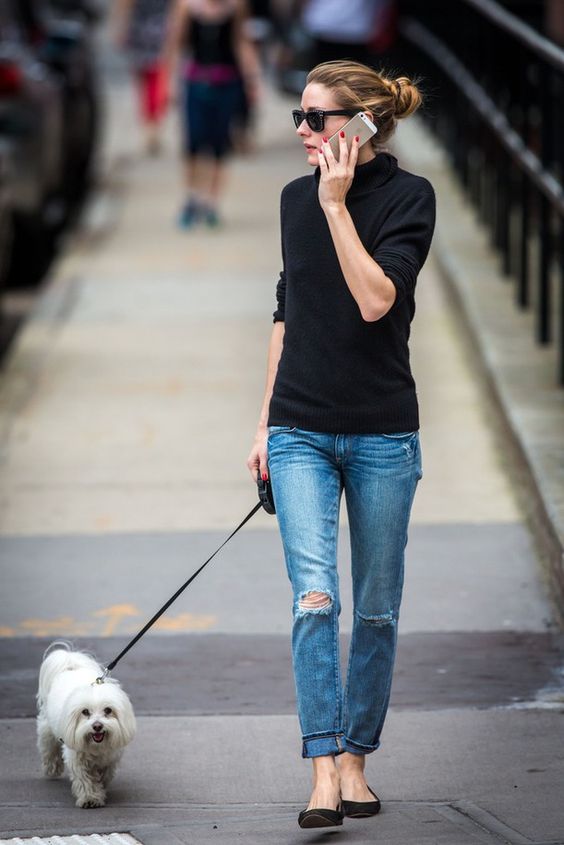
x=317 y=96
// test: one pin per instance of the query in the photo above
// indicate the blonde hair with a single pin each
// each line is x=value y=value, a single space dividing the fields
x=357 y=86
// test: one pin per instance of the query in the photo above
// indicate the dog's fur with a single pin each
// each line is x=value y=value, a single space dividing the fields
x=81 y=724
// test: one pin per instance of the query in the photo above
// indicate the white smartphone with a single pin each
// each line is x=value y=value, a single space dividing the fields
x=358 y=125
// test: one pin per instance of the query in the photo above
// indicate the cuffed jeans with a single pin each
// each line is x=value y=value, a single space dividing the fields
x=379 y=474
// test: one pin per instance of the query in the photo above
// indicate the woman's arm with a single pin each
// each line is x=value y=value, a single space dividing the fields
x=177 y=30
x=372 y=290
x=257 y=459
x=245 y=52
x=120 y=15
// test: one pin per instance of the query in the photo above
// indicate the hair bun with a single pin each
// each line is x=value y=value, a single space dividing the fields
x=407 y=97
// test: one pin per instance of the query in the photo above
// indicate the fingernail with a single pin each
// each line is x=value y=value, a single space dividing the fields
x=264 y=476
x=325 y=140
x=341 y=134
x=357 y=138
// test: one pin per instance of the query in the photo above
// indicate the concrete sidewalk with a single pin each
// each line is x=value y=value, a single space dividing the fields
x=128 y=408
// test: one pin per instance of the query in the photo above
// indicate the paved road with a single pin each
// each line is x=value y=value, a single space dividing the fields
x=128 y=408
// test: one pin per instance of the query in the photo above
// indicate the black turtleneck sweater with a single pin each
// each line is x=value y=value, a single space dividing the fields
x=337 y=372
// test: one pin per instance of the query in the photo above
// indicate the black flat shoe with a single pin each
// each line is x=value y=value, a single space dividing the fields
x=361 y=809
x=320 y=818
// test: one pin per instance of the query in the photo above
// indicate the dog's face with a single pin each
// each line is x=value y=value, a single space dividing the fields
x=98 y=717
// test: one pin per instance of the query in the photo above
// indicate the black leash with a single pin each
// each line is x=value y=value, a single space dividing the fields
x=165 y=607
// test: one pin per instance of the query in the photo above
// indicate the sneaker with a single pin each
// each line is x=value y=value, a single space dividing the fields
x=212 y=218
x=190 y=214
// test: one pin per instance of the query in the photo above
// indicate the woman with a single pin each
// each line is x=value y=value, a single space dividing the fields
x=340 y=414
x=222 y=59
x=139 y=26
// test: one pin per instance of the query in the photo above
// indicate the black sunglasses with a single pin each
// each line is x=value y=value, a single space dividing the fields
x=315 y=118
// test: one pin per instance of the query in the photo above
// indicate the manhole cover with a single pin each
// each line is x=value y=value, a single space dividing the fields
x=76 y=839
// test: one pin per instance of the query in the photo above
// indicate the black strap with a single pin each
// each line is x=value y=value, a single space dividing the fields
x=159 y=613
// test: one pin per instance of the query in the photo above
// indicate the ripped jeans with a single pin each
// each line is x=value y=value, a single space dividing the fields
x=379 y=474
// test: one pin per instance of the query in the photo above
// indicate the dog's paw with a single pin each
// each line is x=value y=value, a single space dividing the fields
x=90 y=803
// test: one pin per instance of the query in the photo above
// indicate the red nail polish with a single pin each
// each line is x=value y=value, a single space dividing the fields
x=357 y=138
x=342 y=134
x=264 y=477
x=325 y=140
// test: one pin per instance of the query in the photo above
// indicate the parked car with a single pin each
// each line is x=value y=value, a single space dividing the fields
x=66 y=47
x=5 y=214
x=31 y=124
x=48 y=116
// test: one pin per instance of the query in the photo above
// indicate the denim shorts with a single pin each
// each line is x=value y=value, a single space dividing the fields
x=209 y=110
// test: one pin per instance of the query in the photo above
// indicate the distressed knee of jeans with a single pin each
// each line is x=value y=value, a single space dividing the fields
x=379 y=620
x=315 y=602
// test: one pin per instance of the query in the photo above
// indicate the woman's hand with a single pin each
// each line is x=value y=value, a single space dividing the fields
x=336 y=176
x=254 y=90
x=257 y=460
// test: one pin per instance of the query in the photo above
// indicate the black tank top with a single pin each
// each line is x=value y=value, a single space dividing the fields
x=212 y=42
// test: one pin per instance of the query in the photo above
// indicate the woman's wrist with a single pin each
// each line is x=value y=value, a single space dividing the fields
x=334 y=208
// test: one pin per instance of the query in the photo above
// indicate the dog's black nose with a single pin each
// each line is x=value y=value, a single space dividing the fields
x=97 y=727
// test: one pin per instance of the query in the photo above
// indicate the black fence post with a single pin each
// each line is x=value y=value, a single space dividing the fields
x=503 y=128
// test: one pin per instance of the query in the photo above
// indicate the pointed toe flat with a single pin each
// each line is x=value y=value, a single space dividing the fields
x=320 y=818
x=361 y=809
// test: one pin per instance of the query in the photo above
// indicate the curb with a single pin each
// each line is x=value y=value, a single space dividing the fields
x=519 y=375
x=526 y=470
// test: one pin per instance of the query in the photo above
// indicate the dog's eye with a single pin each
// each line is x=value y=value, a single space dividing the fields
x=107 y=711
x=86 y=712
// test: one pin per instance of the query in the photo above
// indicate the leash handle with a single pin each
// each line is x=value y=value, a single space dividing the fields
x=165 y=606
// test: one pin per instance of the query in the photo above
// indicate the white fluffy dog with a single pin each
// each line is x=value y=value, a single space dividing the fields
x=81 y=723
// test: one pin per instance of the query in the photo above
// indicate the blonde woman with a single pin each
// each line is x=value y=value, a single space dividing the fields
x=340 y=414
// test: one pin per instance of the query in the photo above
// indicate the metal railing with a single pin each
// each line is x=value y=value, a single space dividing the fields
x=496 y=100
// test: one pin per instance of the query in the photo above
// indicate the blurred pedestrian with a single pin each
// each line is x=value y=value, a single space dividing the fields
x=346 y=30
x=220 y=58
x=340 y=413
x=139 y=27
